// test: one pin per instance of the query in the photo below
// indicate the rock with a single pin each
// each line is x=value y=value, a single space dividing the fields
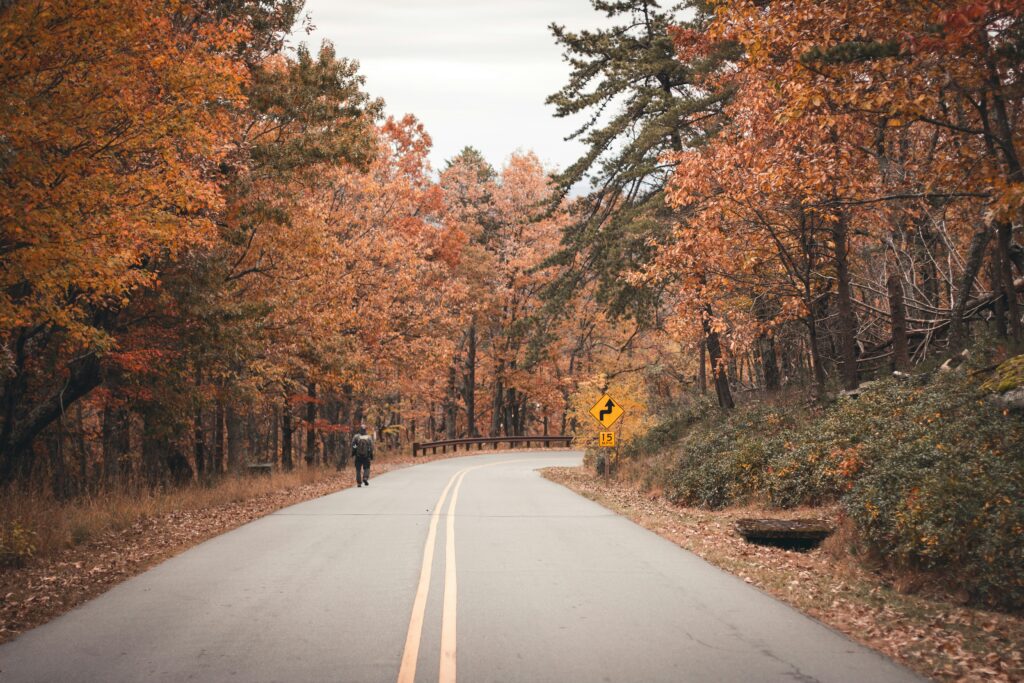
x=1012 y=399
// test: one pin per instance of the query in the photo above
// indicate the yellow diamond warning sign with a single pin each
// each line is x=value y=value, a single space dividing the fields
x=607 y=411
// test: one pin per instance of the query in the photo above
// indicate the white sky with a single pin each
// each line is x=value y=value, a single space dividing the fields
x=475 y=72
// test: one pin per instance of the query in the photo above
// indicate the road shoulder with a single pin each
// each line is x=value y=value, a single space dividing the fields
x=936 y=638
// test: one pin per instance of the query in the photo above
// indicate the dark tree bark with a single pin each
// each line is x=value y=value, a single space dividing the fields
x=451 y=408
x=115 y=440
x=766 y=346
x=469 y=382
x=286 y=437
x=497 y=410
x=235 y=433
x=898 y=313
x=275 y=429
x=19 y=433
x=199 y=445
x=702 y=371
x=975 y=257
x=1004 y=239
x=999 y=305
x=818 y=365
x=311 y=411
x=217 y=467
x=844 y=305
x=718 y=368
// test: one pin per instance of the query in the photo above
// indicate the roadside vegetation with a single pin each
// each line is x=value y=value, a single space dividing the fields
x=926 y=470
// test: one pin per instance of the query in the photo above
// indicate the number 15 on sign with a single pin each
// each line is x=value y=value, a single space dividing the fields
x=607 y=439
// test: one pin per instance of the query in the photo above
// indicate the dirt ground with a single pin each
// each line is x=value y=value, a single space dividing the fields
x=903 y=618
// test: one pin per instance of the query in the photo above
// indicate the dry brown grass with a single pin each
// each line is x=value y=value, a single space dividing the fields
x=58 y=525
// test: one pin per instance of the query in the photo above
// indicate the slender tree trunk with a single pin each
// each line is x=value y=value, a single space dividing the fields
x=275 y=431
x=469 y=382
x=999 y=305
x=450 y=405
x=815 y=349
x=718 y=368
x=218 y=439
x=702 y=370
x=311 y=411
x=115 y=441
x=844 y=304
x=199 y=435
x=1004 y=239
x=975 y=257
x=235 y=433
x=286 y=437
x=766 y=345
x=898 y=313
x=498 y=409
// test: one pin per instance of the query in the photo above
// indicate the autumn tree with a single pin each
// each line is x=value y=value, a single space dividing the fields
x=114 y=115
x=640 y=102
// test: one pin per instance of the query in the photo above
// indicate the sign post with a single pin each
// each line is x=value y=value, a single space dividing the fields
x=607 y=412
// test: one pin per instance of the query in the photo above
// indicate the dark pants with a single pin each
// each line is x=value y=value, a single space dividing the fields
x=362 y=470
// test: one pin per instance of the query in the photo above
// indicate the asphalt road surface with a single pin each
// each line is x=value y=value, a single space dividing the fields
x=522 y=581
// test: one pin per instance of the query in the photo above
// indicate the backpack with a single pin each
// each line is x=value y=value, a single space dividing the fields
x=363 y=446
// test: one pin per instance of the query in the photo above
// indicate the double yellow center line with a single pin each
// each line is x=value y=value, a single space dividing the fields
x=407 y=671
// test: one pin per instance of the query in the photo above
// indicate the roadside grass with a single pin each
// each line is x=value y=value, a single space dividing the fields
x=53 y=526
x=912 y=622
x=36 y=526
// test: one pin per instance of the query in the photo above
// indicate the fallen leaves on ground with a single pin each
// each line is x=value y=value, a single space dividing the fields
x=933 y=636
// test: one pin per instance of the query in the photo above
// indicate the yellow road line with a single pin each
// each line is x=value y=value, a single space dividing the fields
x=446 y=673
x=407 y=672
x=410 y=656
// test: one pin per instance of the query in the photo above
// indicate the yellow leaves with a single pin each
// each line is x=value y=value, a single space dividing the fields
x=108 y=107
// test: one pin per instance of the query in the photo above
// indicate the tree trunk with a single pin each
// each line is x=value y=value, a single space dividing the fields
x=311 y=449
x=286 y=438
x=235 y=432
x=497 y=409
x=815 y=349
x=218 y=439
x=15 y=447
x=199 y=445
x=898 y=313
x=451 y=408
x=844 y=304
x=702 y=370
x=1004 y=239
x=469 y=382
x=999 y=305
x=975 y=257
x=115 y=441
x=718 y=369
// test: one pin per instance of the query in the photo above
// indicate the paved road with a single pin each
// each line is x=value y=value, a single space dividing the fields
x=361 y=586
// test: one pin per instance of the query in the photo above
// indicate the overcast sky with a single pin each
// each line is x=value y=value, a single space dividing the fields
x=475 y=72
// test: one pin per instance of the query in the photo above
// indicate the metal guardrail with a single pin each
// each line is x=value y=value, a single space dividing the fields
x=482 y=441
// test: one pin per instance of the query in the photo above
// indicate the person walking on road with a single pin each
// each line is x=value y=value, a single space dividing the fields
x=362 y=453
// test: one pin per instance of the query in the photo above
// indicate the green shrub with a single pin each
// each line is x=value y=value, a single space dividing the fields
x=669 y=430
x=17 y=545
x=941 y=491
x=932 y=475
x=723 y=461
